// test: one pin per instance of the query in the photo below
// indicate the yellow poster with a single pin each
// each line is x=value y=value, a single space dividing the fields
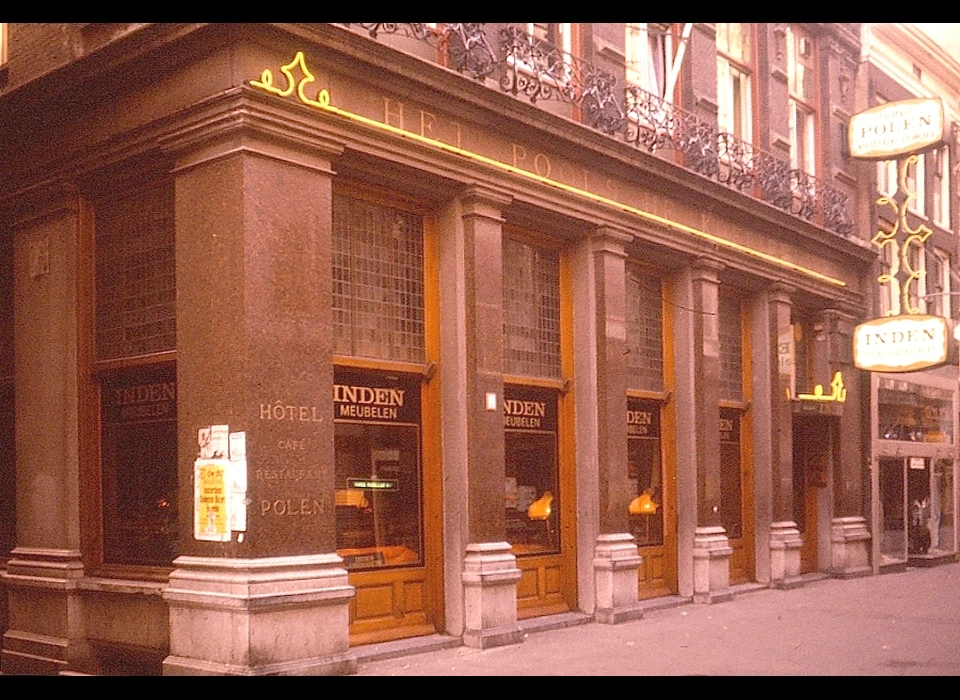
x=212 y=500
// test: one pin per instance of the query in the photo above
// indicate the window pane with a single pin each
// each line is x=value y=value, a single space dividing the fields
x=532 y=494
x=644 y=358
x=135 y=282
x=731 y=503
x=731 y=348
x=377 y=281
x=377 y=469
x=531 y=310
x=139 y=453
x=645 y=472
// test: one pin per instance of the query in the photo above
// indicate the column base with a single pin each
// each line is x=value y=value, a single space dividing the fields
x=45 y=633
x=711 y=565
x=249 y=617
x=490 y=577
x=615 y=566
x=850 y=547
x=785 y=545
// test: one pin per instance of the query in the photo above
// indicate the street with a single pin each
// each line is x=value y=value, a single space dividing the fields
x=898 y=624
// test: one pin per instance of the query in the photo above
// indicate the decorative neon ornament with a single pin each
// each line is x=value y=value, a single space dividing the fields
x=838 y=395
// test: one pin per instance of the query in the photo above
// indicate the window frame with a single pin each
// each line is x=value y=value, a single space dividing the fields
x=803 y=144
x=733 y=96
x=940 y=190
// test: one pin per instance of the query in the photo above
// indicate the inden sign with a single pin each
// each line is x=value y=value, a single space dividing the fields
x=900 y=343
x=895 y=128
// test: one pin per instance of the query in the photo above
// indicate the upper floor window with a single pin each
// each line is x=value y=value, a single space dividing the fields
x=940 y=190
x=914 y=180
x=887 y=177
x=557 y=33
x=802 y=100
x=648 y=52
x=3 y=43
x=734 y=58
x=937 y=285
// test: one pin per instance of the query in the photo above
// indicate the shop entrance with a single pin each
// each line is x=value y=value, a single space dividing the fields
x=383 y=501
x=812 y=444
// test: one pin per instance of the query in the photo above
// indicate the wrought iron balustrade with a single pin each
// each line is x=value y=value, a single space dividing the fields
x=537 y=69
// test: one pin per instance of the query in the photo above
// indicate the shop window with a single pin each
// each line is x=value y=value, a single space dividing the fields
x=136 y=376
x=734 y=59
x=379 y=320
x=731 y=499
x=532 y=487
x=942 y=507
x=801 y=73
x=378 y=292
x=644 y=331
x=914 y=413
x=531 y=356
x=645 y=471
x=377 y=469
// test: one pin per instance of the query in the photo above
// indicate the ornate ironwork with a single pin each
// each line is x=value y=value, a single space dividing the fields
x=537 y=69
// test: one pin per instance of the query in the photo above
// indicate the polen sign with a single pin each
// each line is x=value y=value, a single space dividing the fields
x=901 y=343
x=895 y=128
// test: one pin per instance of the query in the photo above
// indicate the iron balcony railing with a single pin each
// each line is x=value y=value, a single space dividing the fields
x=537 y=69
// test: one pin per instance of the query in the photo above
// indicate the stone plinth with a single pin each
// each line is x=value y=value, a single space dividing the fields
x=270 y=616
x=615 y=565
x=45 y=615
x=490 y=577
x=785 y=544
x=711 y=565
x=850 y=544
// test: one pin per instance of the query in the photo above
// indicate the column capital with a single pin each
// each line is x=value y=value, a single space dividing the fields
x=610 y=239
x=707 y=269
x=235 y=124
x=483 y=201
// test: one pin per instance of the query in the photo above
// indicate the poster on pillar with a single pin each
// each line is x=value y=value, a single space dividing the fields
x=211 y=500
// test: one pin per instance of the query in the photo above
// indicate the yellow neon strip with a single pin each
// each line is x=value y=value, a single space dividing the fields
x=323 y=103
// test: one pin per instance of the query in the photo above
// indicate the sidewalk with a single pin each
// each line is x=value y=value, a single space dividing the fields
x=900 y=624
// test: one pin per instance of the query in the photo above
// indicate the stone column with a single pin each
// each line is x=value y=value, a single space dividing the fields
x=254 y=352
x=481 y=602
x=773 y=439
x=850 y=528
x=697 y=361
x=602 y=401
x=45 y=615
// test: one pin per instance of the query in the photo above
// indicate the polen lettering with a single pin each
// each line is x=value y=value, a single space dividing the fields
x=303 y=507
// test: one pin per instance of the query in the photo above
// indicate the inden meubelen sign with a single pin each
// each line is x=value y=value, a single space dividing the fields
x=900 y=343
x=895 y=128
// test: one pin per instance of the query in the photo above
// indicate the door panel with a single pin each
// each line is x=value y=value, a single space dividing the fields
x=539 y=591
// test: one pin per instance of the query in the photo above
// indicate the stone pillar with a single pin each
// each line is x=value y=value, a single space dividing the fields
x=254 y=352
x=773 y=439
x=481 y=602
x=850 y=529
x=603 y=405
x=45 y=616
x=697 y=361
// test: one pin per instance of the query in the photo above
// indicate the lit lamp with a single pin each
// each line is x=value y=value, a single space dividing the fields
x=643 y=505
x=540 y=508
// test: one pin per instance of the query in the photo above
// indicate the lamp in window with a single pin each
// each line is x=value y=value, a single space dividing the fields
x=540 y=509
x=643 y=504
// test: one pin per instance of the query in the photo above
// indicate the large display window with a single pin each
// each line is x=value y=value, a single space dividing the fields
x=645 y=472
x=139 y=456
x=914 y=412
x=378 y=493
x=532 y=493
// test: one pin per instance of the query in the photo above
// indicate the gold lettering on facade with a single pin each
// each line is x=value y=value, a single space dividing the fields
x=519 y=155
x=541 y=165
x=427 y=121
x=279 y=410
x=287 y=474
x=393 y=112
x=303 y=507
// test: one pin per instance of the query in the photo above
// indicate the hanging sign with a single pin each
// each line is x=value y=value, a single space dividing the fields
x=896 y=128
x=905 y=343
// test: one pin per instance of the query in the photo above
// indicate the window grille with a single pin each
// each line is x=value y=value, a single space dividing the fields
x=731 y=348
x=531 y=310
x=136 y=283
x=644 y=358
x=378 y=299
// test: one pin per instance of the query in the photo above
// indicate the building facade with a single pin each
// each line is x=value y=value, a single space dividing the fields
x=913 y=425
x=583 y=297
